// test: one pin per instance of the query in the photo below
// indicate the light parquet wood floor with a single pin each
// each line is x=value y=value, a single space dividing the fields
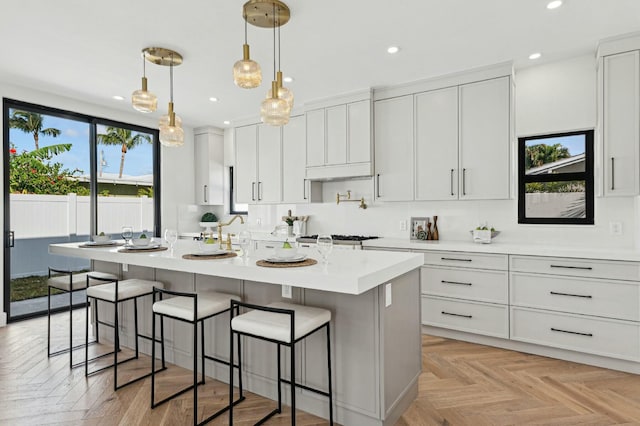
x=461 y=384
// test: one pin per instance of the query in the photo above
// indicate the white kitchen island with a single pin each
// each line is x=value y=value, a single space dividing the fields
x=374 y=298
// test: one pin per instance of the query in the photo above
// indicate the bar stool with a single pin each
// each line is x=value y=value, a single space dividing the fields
x=114 y=292
x=284 y=324
x=181 y=307
x=69 y=282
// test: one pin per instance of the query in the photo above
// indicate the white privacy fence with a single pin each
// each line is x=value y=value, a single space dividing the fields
x=43 y=216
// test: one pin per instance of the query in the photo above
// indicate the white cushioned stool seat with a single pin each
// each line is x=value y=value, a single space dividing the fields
x=126 y=289
x=62 y=281
x=276 y=326
x=209 y=303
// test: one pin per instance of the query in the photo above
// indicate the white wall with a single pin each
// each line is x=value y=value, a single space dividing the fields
x=177 y=178
x=552 y=97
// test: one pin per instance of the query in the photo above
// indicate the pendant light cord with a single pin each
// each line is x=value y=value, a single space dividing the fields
x=279 y=68
x=144 y=65
x=274 y=42
x=171 y=79
x=245 y=29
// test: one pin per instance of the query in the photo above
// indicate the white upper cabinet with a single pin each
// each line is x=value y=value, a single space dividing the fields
x=293 y=159
x=315 y=138
x=394 y=149
x=620 y=112
x=268 y=187
x=484 y=139
x=339 y=143
x=246 y=164
x=437 y=144
x=209 y=166
x=461 y=137
x=258 y=169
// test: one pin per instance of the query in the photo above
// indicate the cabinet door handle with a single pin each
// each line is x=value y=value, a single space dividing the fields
x=456 y=260
x=378 y=185
x=456 y=315
x=555 y=293
x=253 y=191
x=572 y=332
x=585 y=268
x=464 y=181
x=454 y=282
x=304 y=189
x=205 y=193
x=613 y=175
x=451 y=182
x=259 y=191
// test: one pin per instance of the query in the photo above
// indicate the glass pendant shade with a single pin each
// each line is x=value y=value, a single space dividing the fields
x=246 y=72
x=170 y=125
x=283 y=92
x=144 y=101
x=274 y=111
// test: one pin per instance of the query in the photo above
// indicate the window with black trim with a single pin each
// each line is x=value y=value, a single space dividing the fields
x=233 y=207
x=555 y=178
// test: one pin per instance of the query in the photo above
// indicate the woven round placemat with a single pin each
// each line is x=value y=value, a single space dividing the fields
x=306 y=262
x=101 y=245
x=125 y=250
x=209 y=256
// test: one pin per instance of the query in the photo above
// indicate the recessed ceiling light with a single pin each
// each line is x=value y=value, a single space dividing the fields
x=393 y=49
x=213 y=99
x=288 y=79
x=118 y=98
x=535 y=55
x=226 y=122
x=554 y=4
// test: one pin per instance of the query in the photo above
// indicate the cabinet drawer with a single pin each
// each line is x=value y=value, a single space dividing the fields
x=612 y=338
x=608 y=269
x=613 y=299
x=467 y=260
x=471 y=284
x=472 y=317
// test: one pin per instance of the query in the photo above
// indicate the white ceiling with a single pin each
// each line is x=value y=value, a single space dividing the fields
x=90 y=50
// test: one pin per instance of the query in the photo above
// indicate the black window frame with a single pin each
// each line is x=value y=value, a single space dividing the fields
x=232 y=198
x=93 y=121
x=587 y=176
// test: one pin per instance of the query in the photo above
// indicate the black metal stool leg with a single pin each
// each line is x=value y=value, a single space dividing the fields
x=279 y=382
x=231 y=374
x=86 y=337
x=202 y=348
x=293 y=383
x=329 y=374
x=195 y=369
x=116 y=344
x=49 y=322
x=71 y=325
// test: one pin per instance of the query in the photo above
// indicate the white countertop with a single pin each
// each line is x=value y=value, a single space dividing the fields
x=349 y=271
x=509 y=248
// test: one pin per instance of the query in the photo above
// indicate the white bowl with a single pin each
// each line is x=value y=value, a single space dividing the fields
x=101 y=238
x=286 y=253
x=205 y=247
x=141 y=242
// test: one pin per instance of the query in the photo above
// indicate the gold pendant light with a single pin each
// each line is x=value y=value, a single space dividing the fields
x=275 y=110
x=283 y=92
x=246 y=72
x=170 y=125
x=143 y=100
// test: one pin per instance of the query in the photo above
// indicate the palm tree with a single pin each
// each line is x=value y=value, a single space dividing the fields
x=33 y=123
x=124 y=137
x=541 y=154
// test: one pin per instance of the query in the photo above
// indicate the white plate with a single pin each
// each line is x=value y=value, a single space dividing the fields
x=212 y=253
x=295 y=259
x=149 y=247
x=101 y=243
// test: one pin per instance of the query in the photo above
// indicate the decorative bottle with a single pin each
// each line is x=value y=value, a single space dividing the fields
x=434 y=233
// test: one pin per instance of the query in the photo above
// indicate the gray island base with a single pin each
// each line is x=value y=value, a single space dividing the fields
x=376 y=328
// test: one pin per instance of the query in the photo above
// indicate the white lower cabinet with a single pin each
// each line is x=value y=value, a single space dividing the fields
x=472 y=317
x=599 y=336
x=466 y=292
x=572 y=308
x=585 y=305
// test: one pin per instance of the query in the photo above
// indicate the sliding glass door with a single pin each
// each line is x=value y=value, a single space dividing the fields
x=67 y=177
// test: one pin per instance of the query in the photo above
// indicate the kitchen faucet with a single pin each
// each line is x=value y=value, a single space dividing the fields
x=220 y=225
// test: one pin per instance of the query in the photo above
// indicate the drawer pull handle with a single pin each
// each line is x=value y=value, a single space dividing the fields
x=586 y=296
x=456 y=315
x=457 y=260
x=572 y=332
x=454 y=282
x=586 y=268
